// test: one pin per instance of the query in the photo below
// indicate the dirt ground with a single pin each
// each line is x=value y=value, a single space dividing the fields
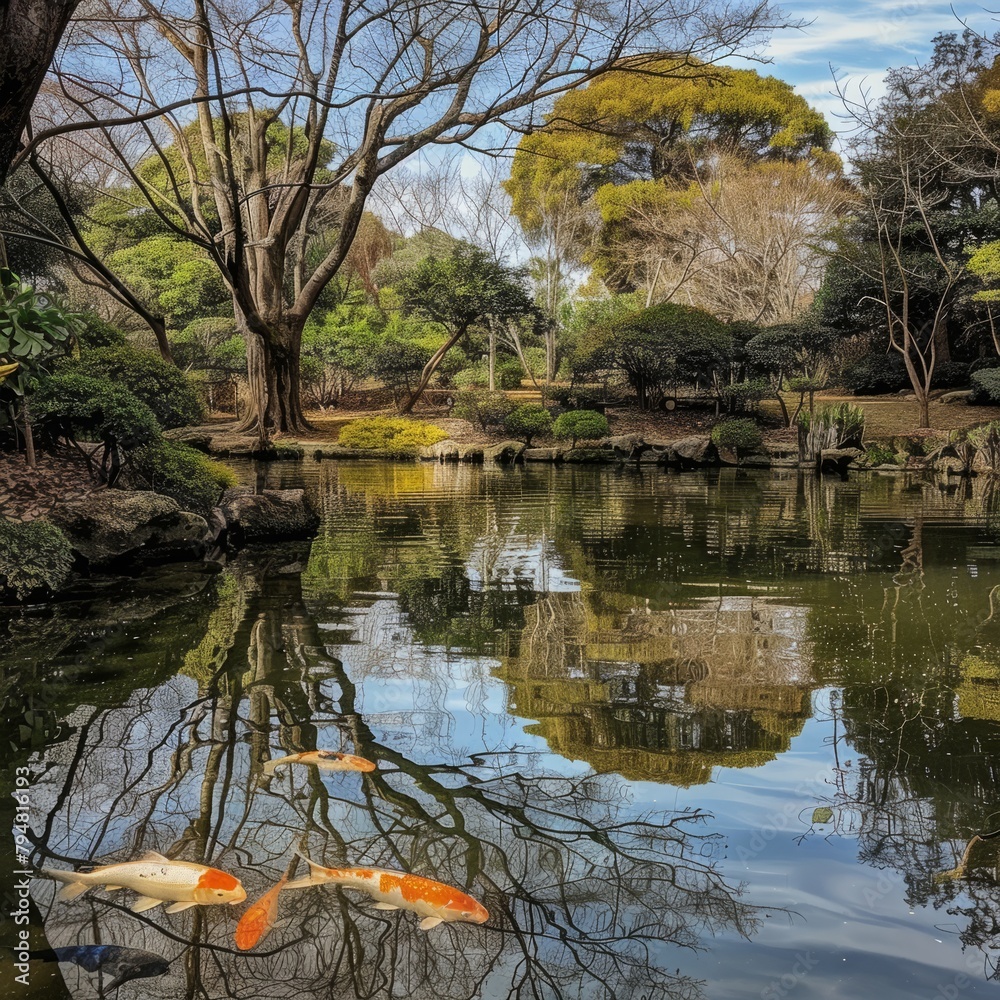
x=885 y=417
x=29 y=493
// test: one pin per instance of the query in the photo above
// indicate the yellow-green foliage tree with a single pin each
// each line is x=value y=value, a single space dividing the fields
x=655 y=158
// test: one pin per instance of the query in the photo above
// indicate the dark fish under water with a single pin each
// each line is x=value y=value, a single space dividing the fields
x=111 y=959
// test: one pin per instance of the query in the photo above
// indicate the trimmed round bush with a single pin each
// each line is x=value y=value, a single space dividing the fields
x=986 y=386
x=97 y=332
x=577 y=425
x=483 y=408
x=71 y=405
x=527 y=420
x=189 y=476
x=951 y=375
x=393 y=435
x=740 y=436
x=508 y=374
x=165 y=389
x=33 y=555
x=876 y=373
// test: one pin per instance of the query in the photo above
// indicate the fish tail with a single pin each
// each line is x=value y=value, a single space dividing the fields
x=75 y=885
x=318 y=874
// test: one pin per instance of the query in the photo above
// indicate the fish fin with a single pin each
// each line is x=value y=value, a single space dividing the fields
x=384 y=906
x=144 y=903
x=71 y=891
x=179 y=907
x=429 y=923
x=317 y=873
x=302 y=883
x=270 y=766
x=113 y=888
x=153 y=856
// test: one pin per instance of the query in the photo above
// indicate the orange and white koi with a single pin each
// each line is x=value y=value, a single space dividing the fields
x=434 y=901
x=325 y=760
x=260 y=918
x=158 y=880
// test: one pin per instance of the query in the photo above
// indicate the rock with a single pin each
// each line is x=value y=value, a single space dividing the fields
x=837 y=459
x=339 y=451
x=958 y=396
x=505 y=453
x=593 y=456
x=543 y=454
x=117 y=525
x=760 y=461
x=470 y=453
x=626 y=446
x=443 y=451
x=696 y=449
x=272 y=515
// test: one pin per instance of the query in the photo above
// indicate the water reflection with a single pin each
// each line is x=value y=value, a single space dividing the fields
x=524 y=654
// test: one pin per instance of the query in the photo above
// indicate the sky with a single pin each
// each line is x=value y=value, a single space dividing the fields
x=860 y=40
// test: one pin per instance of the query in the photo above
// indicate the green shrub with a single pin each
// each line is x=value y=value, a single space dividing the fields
x=508 y=374
x=97 y=332
x=161 y=386
x=880 y=454
x=33 y=554
x=739 y=435
x=986 y=386
x=177 y=470
x=483 y=408
x=876 y=373
x=741 y=397
x=474 y=377
x=586 y=425
x=74 y=406
x=951 y=375
x=394 y=435
x=527 y=420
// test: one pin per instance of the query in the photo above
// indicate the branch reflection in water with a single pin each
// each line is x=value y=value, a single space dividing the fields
x=586 y=893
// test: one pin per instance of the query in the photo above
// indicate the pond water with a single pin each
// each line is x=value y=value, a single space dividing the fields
x=721 y=734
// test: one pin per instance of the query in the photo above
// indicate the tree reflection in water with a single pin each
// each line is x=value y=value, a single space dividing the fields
x=587 y=894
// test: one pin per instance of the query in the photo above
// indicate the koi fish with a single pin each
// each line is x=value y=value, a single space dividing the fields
x=433 y=901
x=122 y=963
x=325 y=760
x=255 y=924
x=158 y=880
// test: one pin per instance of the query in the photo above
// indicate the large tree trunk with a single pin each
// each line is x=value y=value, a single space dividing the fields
x=273 y=376
x=30 y=31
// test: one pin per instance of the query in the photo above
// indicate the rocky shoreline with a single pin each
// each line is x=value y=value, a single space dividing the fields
x=125 y=532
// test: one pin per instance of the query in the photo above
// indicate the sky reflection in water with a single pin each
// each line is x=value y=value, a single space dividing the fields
x=599 y=702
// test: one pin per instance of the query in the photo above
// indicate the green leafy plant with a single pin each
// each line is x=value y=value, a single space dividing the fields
x=587 y=425
x=986 y=386
x=33 y=555
x=880 y=454
x=483 y=408
x=839 y=426
x=166 y=390
x=177 y=470
x=77 y=408
x=392 y=435
x=524 y=422
x=986 y=440
x=739 y=435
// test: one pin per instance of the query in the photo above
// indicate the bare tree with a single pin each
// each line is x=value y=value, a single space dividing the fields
x=356 y=89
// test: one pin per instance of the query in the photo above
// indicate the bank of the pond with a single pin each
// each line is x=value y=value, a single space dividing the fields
x=59 y=528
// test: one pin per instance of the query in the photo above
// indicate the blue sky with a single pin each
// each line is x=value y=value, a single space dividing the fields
x=861 y=39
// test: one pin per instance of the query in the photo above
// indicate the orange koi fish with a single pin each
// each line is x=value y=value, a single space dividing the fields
x=158 y=880
x=259 y=919
x=325 y=760
x=433 y=901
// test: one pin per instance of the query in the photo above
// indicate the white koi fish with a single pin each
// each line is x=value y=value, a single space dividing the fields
x=434 y=901
x=158 y=880
x=325 y=760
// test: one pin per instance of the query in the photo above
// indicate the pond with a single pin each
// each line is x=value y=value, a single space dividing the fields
x=714 y=734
